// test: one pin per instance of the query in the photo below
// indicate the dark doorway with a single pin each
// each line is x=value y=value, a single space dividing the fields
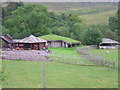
x=27 y=46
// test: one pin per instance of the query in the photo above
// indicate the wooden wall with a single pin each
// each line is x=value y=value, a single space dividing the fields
x=57 y=44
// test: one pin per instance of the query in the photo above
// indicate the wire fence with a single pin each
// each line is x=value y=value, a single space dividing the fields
x=71 y=59
x=98 y=60
x=59 y=66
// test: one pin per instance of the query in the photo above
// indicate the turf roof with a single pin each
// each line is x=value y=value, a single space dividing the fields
x=57 y=37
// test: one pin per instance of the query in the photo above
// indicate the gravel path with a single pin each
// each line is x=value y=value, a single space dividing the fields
x=32 y=55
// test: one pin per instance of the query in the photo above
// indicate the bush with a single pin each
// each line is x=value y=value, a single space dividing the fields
x=92 y=36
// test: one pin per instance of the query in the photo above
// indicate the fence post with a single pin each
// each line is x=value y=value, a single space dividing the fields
x=113 y=65
x=43 y=75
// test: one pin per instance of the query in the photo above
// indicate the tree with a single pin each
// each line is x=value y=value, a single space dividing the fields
x=4 y=30
x=78 y=29
x=26 y=20
x=64 y=31
x=103 y=28
x=113 y=23
x=110 y=34
x=69 y=25
x=72 y=35
x=92 y=36
x=9 y=7
x=118 y=15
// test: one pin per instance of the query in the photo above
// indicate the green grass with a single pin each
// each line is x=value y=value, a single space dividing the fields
x=112 y=56
x=27 y=74
x=98 y=18
x=98 y=13
x=69 y=6
x=69 y=55
x=57 y=37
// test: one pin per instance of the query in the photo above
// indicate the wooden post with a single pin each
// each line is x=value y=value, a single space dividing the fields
x=43 y=75
x=113 y=65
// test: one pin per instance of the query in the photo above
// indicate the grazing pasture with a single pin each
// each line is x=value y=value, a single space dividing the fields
x=98 y=18
x=111 y=56
x=98 y=13
x=28 y=74
x=69 y=55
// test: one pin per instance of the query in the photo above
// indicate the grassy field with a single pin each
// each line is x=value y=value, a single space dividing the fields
x=28 y=74
x=83 y=7
x=112 y=56
x=69 y=55
x=99 y=18
x=98 y=13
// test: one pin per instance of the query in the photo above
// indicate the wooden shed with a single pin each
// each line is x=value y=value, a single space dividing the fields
x=28 y=43
x=31 y=43
x=60 y=41
x=6 y=41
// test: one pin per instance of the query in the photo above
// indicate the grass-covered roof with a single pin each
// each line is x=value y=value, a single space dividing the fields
x=57 y=37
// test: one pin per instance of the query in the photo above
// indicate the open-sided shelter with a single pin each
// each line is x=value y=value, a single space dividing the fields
x=30 y=42
x=108 y=44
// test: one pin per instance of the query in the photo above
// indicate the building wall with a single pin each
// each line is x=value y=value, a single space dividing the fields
x=55 y=44
x=49 y=44
x=41 y=45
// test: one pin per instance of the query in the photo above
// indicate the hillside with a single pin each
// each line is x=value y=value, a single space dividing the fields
x=100 y=18
x=68 y=6
x=91 y=13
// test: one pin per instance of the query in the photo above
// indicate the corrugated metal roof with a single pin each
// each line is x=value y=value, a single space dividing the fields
x=107 y=40
x=16 y=40
x=5 y=39
x=30 y=39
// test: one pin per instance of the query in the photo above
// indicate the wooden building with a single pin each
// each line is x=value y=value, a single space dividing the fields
x=28 y=43
x=6 y=41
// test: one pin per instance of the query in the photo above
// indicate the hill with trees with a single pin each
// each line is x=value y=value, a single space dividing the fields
x=38 y=19
x=90 y=12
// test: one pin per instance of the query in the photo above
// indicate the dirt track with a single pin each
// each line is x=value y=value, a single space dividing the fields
x=32 y=55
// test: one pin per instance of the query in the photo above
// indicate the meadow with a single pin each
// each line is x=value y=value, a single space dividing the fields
x=90 y=14
x=111 y=56
x=28 y=74
x=98 y=18
x=69 y=55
